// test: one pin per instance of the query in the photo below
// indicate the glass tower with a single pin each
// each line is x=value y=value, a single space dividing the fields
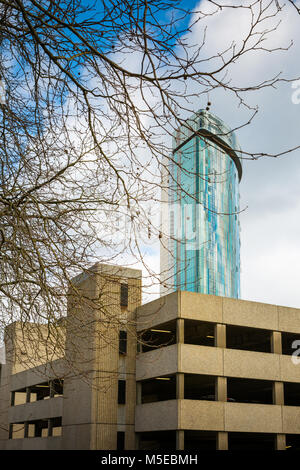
x=200 y=245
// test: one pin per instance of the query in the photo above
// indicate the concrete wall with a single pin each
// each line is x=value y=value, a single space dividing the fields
x=95 y=318
x=159 y=416
x=39 y=374
x=91 y=367
x=34 y=443
x=163 y=361
x=42 y=409
x=194 y=359
x=158 y=311
x=30 y=345
x=217 y=416
x=215 y=309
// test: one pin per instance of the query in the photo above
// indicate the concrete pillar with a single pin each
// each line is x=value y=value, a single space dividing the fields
x=220 y=335
x=179 y=440
x=222 y=440
x=180 y=382
x=179 y=386
x=180 y=330
x=278 y=393
x=221 y=389
x=280 y=442
x=276 y=343
x=27 y=394
x=52 y=390
x=50 y=427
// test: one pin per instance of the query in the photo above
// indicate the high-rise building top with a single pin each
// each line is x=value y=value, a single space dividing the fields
x=200 y=249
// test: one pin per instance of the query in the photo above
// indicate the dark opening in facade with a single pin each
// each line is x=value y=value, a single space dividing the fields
x=123 y=295
x=18 y=397
x=121 y=392
x=16 y=430
x=159 y=389
x=40 y=391
x=248 y=339
x=251 y=441
x=57 y=388
x=122 y=342
x=200 y=333
x=157 y=440
x=200 y=440
x=158 y=336
x=290 y=343
x=120 y=440
x=199 y=387
x=250 y=390
x=55 y=427
x=291 y=394
x=292 y=442
x=38 y=428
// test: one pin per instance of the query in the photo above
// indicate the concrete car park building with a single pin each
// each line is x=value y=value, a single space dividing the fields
x=185 y=371
x=84 y=396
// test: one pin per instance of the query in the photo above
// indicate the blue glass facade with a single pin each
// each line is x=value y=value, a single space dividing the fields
x=203 y=205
